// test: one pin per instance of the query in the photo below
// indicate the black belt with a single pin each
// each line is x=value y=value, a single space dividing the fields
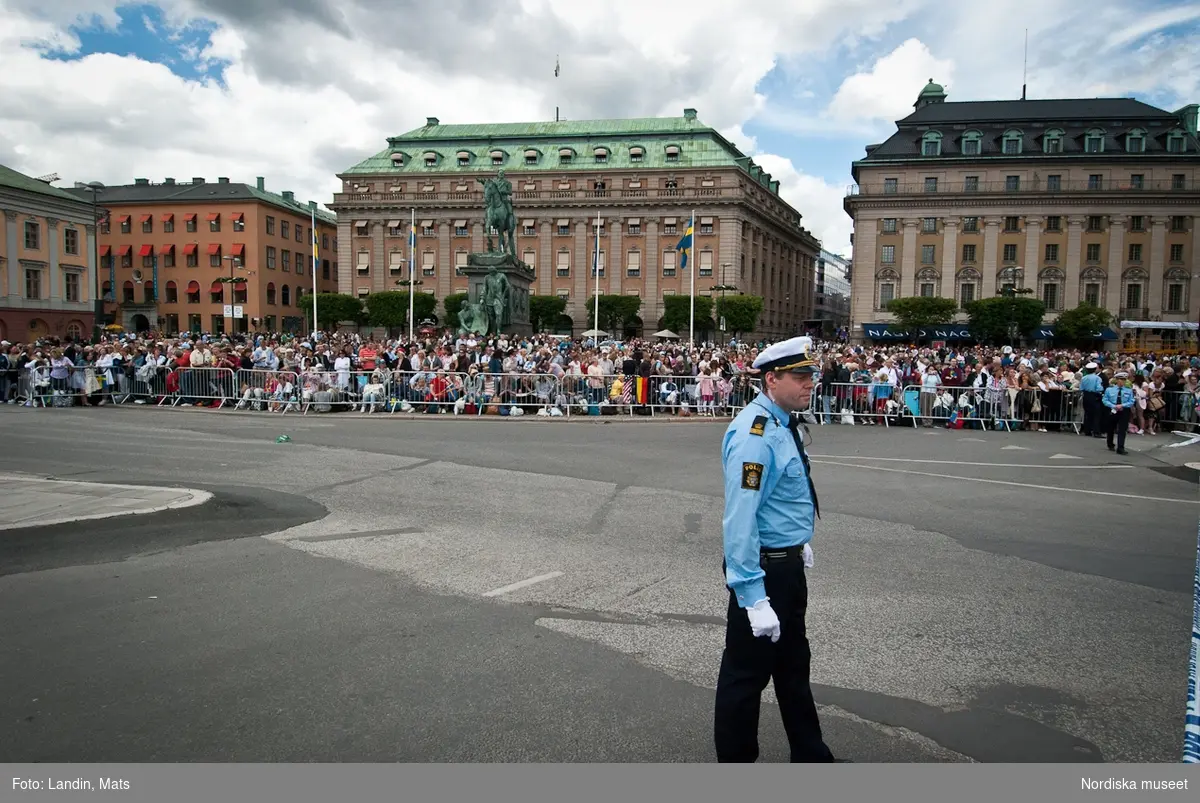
x=781 y=553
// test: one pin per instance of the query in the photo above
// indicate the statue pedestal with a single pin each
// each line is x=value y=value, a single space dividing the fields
x=520 y=276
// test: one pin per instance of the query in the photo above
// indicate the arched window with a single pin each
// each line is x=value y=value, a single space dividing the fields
x=1133 y=293
x=972 y=143
x=1175 y=290
x=285 y=296
x=931 y=143
x=1013 y=142
x=172 y=293
x=127 y=292
x=193 y=292
x=929 y=281
x=271 y=293
x=106 y=292
x=1135 y=141
x=1092 y=282
x=887 y=284
x=1093 y=140
x=1050 y=288
x=1052 y=141
x=969 y=280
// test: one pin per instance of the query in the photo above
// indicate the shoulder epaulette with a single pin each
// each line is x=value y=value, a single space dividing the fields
x=759 y=425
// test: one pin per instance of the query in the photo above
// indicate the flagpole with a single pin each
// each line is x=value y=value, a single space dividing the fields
x=412 y=246
x=314 y=282
x=596 y=274
x=692 y=249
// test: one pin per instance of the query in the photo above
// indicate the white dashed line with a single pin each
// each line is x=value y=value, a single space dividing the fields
x=541 y=578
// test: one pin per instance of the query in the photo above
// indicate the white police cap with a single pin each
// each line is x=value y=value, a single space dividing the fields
x=788 y=355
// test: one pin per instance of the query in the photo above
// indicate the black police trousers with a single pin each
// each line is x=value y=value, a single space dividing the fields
x=1093 y=407
x=748 y=662
x=1118 y=424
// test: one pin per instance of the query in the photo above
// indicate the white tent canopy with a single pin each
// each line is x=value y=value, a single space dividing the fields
x=665 y=333
x=1184 y=325
x=594 y=333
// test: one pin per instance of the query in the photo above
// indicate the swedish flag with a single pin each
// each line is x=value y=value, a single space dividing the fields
x=684 y=246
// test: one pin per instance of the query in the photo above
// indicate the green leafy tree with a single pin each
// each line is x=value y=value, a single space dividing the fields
x=333 y=308
x=390 y=309
x=615 y=311
x=1079 y=326
x=677 y=314
x=452 y=304
x=990 y=317
x=919 y=312
x=740 y=313
x=544 y=311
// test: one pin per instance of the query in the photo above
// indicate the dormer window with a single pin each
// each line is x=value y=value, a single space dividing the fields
x=1013 y=142
x=531 y=156
x=971 y=143
x=636 y=154
x=1135 y=141
x=672 y=153
x=931 y=144
x=601 y=154
x=497 y=157
x=1052 y=141
x=431 y=158
x=1176 y=142
x=565 y=155
x=1093 y=141
x=397 y=160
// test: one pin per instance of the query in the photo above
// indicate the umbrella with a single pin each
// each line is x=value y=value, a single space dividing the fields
x=594 y=333
x=666 y=333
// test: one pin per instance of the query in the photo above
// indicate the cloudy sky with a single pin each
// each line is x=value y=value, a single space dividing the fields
x=297 y=90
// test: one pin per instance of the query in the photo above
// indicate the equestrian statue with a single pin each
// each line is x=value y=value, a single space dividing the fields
x=497 y=199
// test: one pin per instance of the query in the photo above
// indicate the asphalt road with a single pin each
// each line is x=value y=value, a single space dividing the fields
x=349 y=596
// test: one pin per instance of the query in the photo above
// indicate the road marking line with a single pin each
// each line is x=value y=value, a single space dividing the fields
x=1064 y=457
x=1018 y=484
x=955 y=462
x=541 y=578
x=1021 y=448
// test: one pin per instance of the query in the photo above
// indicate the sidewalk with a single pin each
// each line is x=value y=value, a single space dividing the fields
x=28 y=501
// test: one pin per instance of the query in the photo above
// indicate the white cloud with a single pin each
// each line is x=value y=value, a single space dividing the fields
x=818 y=201
x=886 y=91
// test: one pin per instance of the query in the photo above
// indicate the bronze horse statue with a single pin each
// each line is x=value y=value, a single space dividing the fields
x=499 y=214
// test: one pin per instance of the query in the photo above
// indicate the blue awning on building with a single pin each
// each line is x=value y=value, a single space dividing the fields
x=1046 y=332
x=950 y=331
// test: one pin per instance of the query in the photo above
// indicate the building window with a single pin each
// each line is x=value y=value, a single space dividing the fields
x=33 y=236
x=1137 y=223
x=1054 y=223
x=887 y=292
x=1013 y=142
x=706 y=263
x=890 y=186
x=1095 y=223
x=1178 y=223
x=286 y=260
x=169 y=224
x=1054 y=183
x=1137 y=181
x=888 y=257
x=562 y=267
x=634 y=228
x=126 y=226
x=1095 y=181
x=214 y=222
x=214 y=258
x=968 y=253
x=172 y=293
x=1093 y=252
x=270 y=225
x=971 y=184
x=563 y=293
x=1175 y=298
x=1052 y=141
x=970 y=224
x=929 y=225
x=1176 y=252
x=927 y=254
x=148 y=259
x=706 y=228
x=363 y=263
x=672 y=153
x=931 y=144
x=633 y=264
x=71 y=241
x=635 y=154
x=930 y=184
x=927 y=290
x=1176 y=142
x=1133 y=297
x=889 y=225
x=1091 y=293
x=1050 y=295
x=428 y=266
x=71 y=286
x=1010 y=252
x=1093 y=141
x=966 y=293
x=270 y=257
x=1051 y=253
x=460 y=262
x=529 y=257
x=168 y=255
x=1012 y=183
x=970 y=143
x=1178 y=181
x=1135 y=252
x=461 y=231
x=285 y=229
x=668 y=263
x=1012 y=223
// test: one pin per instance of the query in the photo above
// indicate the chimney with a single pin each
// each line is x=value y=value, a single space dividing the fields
x=141 y=181
x=689 y=114
x=312 y=206
x=288 y=195
x=197 y=179
x=431 y=121
x=222 y=179
x=168 y=180
x=262 y=184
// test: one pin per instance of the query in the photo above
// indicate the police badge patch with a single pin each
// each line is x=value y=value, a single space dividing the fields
x=760 y=423
x=752 y=476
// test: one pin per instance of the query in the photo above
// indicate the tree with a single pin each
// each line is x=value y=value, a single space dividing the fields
x=990 y=317
x=452 y=304
x=333 y=308
x=544 y=311
x=389 y=310
x=677 y=314
x=740 y=313
x=918 y=312
x=1079 y=326
x=615 y=311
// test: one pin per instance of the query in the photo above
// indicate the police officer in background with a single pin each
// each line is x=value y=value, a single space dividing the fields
x=770 y=504
x=1118 y=398
x=1092 y=387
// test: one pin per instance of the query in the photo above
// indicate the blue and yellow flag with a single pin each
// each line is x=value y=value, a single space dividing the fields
x=684 y=246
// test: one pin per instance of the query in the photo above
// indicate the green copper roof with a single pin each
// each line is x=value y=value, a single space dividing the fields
x=698 y=146
x=19 y=181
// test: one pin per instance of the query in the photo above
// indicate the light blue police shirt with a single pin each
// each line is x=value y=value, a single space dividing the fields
x=1091 y=384
x=1126 y=396
x=768 y=503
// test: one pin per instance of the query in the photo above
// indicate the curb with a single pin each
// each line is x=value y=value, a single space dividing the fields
x=589 y=419
x=196 y=497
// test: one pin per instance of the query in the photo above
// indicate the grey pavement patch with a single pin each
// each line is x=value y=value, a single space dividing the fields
x=366 y=534
x=36 y=502
x=691 y=523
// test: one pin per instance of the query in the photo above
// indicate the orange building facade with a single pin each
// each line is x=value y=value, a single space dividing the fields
x=211 y=257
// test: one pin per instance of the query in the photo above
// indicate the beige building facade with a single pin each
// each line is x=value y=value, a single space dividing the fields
x=1075 y=200
x=641 y=180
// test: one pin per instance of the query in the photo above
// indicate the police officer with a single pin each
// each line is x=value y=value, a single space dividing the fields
x=770 y=504
x=1118 y=398
x=1092 y=387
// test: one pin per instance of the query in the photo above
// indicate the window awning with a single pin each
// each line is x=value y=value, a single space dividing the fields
x=634 y=221
x=240 y=287
x=531 y=154
x=190 y=217
x=166 y=249
x=564 y=222
x=146 y=218
x=669 y=221
x=193 y=287
x=213 y=216
x=636 y=151
x=168 y=217
x=427 y=224
x=238 y=217
x=189 y=249
x=393 y=224
x=146 y=250
x=706 y=221
x=217 y=287
x=529 y=223
x=123 y=219
x=105 y=250
x=239 y=249
x=360 y=224
x=600 y=151
x=125 y=250
x=214 y=248
x=460 y=224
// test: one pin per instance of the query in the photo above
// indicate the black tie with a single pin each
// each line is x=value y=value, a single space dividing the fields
x=794 y=428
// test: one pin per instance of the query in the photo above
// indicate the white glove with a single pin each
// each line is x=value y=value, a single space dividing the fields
x=763 y=621
x=808 y=558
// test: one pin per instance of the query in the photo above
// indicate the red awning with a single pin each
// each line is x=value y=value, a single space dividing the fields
x=124 y=250
x=217 y=287
x=238 y=217
x=214 y=216
x=193 y=287
x=105 y=250
x=214 y=248
x=239 y=249
x=241 y=287
x=166 y=249
x=189 y=249
x=190 y=217
x=167 y=218
x=146 y=250
x=123 y=219
x=147 y=218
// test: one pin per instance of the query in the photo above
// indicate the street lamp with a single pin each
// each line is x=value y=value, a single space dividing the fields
x=95 y=187
x=235 y=263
